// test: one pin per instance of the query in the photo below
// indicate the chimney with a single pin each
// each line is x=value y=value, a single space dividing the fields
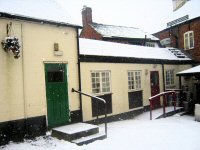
x=86 y=15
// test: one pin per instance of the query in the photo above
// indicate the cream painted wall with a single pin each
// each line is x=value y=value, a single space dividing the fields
x=119 y=83
x=37 y=41
x=11 y=84
x=22 y=83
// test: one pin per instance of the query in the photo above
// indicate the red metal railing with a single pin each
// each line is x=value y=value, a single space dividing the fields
x=180 y=91
x=164 y=94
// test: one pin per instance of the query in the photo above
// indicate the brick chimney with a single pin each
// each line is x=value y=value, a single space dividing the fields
x=86 y=15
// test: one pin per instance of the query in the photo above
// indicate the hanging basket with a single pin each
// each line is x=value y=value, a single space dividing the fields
x=11 y=44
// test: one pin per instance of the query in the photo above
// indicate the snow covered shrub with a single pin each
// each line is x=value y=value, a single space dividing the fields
x=11 y=44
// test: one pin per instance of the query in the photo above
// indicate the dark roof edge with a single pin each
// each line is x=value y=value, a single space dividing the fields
x=188 y=74
x=188 y=21
x=126 y=38
x=13 y=16
x=112 y=59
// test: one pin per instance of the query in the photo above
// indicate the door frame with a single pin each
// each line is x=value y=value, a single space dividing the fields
x=67 y=91
x=157 y=103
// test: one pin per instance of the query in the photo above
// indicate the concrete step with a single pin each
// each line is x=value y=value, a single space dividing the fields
x=74 y=131
x=89 y=139
x=171 y=113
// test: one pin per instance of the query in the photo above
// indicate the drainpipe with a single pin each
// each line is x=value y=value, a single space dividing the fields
x=163 y=74
x=180 y=83
x=79 y=73
x=178 y=37
x=23 y=80
x=181 y=92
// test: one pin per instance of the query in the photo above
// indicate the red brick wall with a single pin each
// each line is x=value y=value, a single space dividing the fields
x=191 y=25
x=89 y=33
x=86 y=16
x=196 y=28
x=162 y=35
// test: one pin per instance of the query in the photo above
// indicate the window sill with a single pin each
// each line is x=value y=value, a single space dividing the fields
x=101 y=94
x=135 y=90
x=192 y=48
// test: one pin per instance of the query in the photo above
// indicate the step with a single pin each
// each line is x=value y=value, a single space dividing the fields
x=89 y=139
x=74 y=131
x=171 y=113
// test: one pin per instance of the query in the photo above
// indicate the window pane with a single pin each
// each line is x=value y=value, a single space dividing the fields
x=97 y=74
x=93 y=75
x=95 y=90
x=93 y=85
x=55 y=76
x=95 y=82
x=137 y=80
x=98 y=79
x=169 y=77
x=191 y=40
x=103 y=85
x=130 y=80
x=134 y=80
x=107 y=79
x=105 y=82
x=105 y=90
x=186 y=41
x=100 y=82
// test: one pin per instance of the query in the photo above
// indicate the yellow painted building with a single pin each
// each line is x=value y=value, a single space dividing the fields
x=131 y=78
x=37 y=77
x=36 y=86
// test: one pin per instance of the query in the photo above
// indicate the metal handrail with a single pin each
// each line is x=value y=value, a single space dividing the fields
x=97 y=98
x=164 y=101
x=176 y=90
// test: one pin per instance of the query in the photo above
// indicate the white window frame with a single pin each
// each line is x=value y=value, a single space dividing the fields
x=188 y=40
x=104 y=83
x=169 y=77
x=150 y=44
x=134 y=80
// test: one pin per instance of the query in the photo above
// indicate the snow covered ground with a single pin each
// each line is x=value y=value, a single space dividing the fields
x=172 y=133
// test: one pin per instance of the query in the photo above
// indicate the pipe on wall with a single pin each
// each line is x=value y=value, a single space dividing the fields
x=23 y=79
x=79 y=74
x=163 y=74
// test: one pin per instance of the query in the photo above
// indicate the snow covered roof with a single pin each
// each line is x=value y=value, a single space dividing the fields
x=47 y=10
x=194 y=70
x=121 y=31
x=103 y=48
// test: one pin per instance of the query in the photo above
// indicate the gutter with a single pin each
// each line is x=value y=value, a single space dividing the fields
x=25 y=18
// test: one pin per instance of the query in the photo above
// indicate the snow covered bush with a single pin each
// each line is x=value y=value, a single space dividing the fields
x=11 y=44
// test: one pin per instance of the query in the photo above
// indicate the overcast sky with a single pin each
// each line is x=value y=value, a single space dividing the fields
x=148 y=15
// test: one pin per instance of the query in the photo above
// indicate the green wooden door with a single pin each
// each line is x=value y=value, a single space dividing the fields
x=57 y=94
